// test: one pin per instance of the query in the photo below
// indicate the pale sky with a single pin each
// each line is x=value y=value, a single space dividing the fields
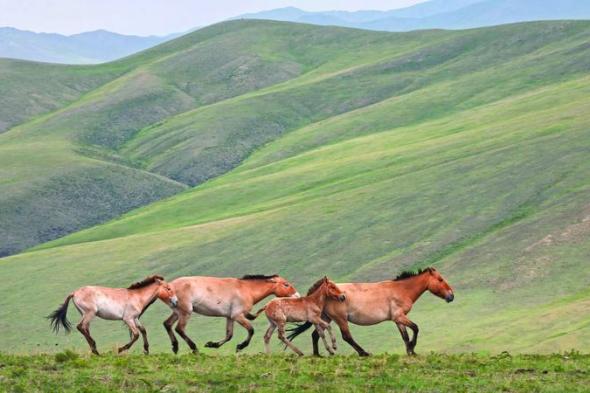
x=146 y=17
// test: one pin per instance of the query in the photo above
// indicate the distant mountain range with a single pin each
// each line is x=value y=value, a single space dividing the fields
x=102 y=46
x=438 y=14
x=85 y=48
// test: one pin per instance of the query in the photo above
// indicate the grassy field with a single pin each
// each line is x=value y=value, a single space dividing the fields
x=70 y=372
x=358 y=155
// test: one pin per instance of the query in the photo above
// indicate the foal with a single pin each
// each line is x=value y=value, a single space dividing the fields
x=114 y=304
x=305 y=309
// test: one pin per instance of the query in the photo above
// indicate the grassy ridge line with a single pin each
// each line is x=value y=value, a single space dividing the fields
x=441 y=373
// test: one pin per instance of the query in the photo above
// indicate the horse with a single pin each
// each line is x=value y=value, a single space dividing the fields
x=232 y=298
x=308 y=308
x=372 y=303
x=114 y=304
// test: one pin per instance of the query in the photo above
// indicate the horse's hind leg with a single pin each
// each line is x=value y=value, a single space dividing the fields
x=281 y=327
x=347 y=336
x=84 y=328
x=168 y=323
x=241 y=319
x=183 y=318
x=267 y=336
x=229 y=332
x=146 y=345
x=134 y=334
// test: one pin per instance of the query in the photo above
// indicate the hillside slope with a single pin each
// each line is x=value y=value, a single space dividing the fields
x=463 y=150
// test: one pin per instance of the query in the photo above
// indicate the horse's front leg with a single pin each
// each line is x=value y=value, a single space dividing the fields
x=229 y=332
x=168 y=324
x=146 y=345
x=319 y=328
x=183 y=318
x=241 y=319
x=402 y=321
x=332 y=338
x=134 y=334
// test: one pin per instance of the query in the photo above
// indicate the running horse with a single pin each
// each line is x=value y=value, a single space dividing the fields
x=372 y=303
x=114 y=304
x=231 y=298
x=304 y=309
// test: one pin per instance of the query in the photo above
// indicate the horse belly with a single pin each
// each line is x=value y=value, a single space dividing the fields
x=212 y=309
x=368 y=316
x=110 y=311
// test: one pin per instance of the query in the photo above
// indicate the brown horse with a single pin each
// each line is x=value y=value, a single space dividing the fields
x=308 y=308
x=114 y=304
x=232 y=298
x=371 y=303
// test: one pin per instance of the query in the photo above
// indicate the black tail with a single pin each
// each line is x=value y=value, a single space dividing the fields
x=297 y=330
x=59 y=317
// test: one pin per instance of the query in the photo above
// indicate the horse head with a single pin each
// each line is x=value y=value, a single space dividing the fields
x=332 y=290
x=438 y=286
x=283 y=288
x=166 y=292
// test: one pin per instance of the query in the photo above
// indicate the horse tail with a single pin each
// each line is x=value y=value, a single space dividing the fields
x=253 y=317
x=298 y=329
x=59 y=317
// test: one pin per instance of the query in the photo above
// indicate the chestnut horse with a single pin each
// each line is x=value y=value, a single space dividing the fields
x=305 y=309
x=232 y=298
x=372 y=303
x=114 y=304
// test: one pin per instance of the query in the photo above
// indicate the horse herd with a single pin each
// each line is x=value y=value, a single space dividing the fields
x=233 y=298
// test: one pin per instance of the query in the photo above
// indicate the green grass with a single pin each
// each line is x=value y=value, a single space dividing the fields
x=465 y=150
x=70 y=372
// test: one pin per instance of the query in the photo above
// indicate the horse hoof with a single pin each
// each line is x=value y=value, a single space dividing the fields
x=146 y=352
x=364 y=354
x=175 y=349
x=211 y=344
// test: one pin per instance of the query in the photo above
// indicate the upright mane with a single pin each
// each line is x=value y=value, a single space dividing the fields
x=315 y=286
x=258 y=277
x=145 y=282
x=409 y=274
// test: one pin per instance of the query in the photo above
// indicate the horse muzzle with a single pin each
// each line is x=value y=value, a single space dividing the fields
x=450 y=297
x=296 y=294
x=342 y=298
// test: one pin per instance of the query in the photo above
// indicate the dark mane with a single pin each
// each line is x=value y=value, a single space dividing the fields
x=315 y=286
x=409 y=274
x=258 y=277
x=145 y=282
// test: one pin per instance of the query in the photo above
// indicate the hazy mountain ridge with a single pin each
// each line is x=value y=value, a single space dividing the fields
x=438 y=14
x=85 y=48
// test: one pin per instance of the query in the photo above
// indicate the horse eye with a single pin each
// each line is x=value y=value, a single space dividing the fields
x=440 y=279
x=286 y=285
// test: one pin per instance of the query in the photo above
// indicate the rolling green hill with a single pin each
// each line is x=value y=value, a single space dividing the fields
x=320 y=150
